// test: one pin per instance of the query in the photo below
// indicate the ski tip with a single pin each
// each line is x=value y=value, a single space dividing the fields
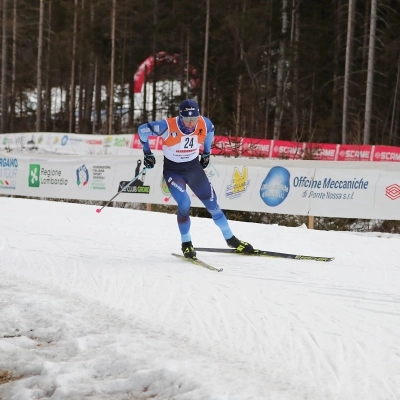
x=326 y=259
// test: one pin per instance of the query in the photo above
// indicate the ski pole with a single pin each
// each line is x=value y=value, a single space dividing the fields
x=134 y=179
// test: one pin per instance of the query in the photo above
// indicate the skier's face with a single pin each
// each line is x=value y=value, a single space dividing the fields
x=190 y=122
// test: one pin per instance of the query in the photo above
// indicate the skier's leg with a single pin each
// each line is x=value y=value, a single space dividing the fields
x=177 y=187
x=202 y=188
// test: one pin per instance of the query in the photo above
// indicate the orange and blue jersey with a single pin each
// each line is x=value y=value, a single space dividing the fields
x=178 y=146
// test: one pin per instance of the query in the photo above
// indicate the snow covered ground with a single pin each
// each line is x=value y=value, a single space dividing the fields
x=93 y=306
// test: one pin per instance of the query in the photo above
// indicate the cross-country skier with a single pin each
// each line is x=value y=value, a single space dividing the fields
x=182 y=137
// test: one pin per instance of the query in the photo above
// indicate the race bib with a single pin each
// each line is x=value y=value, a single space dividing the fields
x=189 y=143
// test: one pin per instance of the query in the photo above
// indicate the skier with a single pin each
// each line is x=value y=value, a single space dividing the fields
x=182 y=137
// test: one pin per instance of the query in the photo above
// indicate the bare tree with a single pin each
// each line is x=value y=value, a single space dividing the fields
x=4 y=88
x=112 y=61
x=395 y=110
x=187 y=63
x=336 y=98
x=365 y=34
x=239 y=98
x=89 y=92
x=81 y=65
x=39 y=68
x=349 y=46
x=97 y=97
x=122 y=80
x=294 y=40
x=238 y=115
x=48 y=99
x=280 y=89
x=73 y=62
x=13 y=67
x=207 y=34
x=370 y=73
x=268 y=71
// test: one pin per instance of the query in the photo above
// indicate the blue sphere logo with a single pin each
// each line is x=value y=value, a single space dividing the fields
x=64 y=140
x=275 y=187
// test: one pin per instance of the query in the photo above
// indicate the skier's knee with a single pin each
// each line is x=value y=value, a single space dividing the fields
x=184 y=207
x=215 y=212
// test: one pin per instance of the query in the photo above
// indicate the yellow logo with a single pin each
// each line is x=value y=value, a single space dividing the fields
x=239 y=183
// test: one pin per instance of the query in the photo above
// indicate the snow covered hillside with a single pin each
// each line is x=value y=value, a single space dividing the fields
x=93 y=306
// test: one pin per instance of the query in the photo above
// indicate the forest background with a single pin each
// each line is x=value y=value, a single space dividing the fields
x=323 y=71
x=302 y=70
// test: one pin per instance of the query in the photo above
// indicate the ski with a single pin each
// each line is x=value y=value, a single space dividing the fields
x=265 y=253
x=198 y=262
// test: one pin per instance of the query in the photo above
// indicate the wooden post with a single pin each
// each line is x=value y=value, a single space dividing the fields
x=310 y=222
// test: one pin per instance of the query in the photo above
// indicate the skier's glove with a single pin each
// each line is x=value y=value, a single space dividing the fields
x=149 y=161
x=205 y=160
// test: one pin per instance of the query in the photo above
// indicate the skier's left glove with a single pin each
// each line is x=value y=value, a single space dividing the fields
x=205 y=160
x=149 y=161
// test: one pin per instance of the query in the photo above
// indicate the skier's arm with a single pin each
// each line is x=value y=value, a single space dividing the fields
x=156 y=128
x=209 y=136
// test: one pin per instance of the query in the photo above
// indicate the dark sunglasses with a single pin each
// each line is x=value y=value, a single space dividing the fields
x=190 y=119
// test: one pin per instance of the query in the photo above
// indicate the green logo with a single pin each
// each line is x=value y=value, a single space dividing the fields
x=34 y=175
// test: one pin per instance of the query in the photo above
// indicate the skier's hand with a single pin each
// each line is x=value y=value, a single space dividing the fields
x=149 y=161
x=205 y=160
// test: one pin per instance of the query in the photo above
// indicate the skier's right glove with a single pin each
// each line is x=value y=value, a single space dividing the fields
x=149 y=161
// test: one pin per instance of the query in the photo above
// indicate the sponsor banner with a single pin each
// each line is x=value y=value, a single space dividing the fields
x=66 y=143
x=321 y=151
x=345 y=193
x=136 y=142
x=118 y=141
x=154 y=141
x=45 y=178
x=83 y=144
x=319 y=188
x=21 y=142
x=386 y=153
x=259 y=148
x=227 y=146
x=287 y=150
x=348 y=152
x=8 y=173
x=328 y=191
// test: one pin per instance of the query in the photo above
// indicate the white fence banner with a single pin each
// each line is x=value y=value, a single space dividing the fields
x=67 y=143
x=318 y=188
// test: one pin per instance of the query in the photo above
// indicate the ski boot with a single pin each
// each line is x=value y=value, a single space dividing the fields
x=188 y=250
x=239 y=245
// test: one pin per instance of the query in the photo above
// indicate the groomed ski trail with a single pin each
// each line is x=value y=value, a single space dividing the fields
x=264 y=328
